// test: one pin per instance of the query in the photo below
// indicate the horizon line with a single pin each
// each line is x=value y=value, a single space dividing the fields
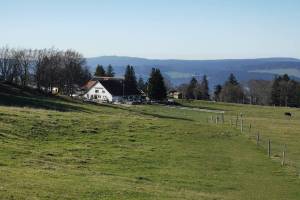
x=183 y=59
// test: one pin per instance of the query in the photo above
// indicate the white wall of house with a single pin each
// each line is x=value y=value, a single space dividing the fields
x=98 y=92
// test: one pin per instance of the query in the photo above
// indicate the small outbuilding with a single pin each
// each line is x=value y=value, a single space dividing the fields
x=175 y=94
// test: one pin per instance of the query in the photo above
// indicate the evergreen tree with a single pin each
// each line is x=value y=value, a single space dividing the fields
x=110 y=71
x=284 y=91
x=232 y=80
x=198 y=92
x=297 y=95
x=190 y=93
x=130 y=81
x=204 y=88
x=217 y=92
x=141 y=84
x=286 y=78
x=293 y=91
x=275 y=91
x=100 y=71
x=232 y=91
x=156 y=86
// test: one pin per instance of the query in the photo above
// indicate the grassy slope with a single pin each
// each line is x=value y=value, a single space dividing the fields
x=142 y=152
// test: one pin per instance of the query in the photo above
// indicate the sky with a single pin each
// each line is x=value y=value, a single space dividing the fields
x=164 y=29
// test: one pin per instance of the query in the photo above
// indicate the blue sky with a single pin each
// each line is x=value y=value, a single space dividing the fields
x=184 y=29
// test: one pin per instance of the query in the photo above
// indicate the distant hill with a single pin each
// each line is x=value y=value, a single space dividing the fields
x=180 y=71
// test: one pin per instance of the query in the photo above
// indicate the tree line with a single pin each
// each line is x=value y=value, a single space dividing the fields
x=281 y=91
x=195 y=89
x=101 y=72
x=44 y=68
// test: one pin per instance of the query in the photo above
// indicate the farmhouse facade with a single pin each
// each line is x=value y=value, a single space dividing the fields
x=109 y=89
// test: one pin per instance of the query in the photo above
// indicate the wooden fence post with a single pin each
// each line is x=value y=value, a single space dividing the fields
x=223 y=120
x=236 y=121
x=217 y=119
x=212 y=119
x=257 y=139
x=242 y=126
x=250 y=127
x=269 y=148
x=283 y=155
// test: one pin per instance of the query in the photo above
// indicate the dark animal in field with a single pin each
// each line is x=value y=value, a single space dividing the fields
x=288 y=114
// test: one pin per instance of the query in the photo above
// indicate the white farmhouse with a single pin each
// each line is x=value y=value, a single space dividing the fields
x=110 y=90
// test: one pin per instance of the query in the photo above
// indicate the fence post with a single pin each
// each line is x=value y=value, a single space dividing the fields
x=223 y=118
x=283 y=155
x=257 y=139
x=242 y=124
x=217 y=119
x=236 y=121
x=269 y=148
x=250 y=127
x=212 y=119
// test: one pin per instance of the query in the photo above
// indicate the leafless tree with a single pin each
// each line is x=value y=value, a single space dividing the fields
x=46 y=68
x=260 y=92
x=5 y=63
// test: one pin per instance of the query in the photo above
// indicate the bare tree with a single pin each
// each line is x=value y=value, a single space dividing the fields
x=46 y=68
x=74 y=64
x=26 y=57
x=260 y=92
x=5 y=63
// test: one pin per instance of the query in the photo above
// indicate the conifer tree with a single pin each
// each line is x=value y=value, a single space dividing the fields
x=130 y=80
x=284 y=91
x=110 y=71
x=232 y=91
x=190 y=93
x=141 y=84
x=204 y=88
x=100 y=71
x=217 y=92
x=232 y=80
x=275 y=91
x=156 y=86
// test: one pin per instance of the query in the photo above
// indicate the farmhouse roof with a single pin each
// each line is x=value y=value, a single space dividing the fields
x=89 y=85
x=104 y=78
x=115 y=86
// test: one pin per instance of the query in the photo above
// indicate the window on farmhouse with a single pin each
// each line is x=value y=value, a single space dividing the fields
x=96 y=91
x=103 y=91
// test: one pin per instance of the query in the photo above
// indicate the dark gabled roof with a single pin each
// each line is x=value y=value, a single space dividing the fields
x=103 y=78
x=117 y=87
x=114 y=86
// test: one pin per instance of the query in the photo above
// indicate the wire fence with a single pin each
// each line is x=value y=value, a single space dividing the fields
x=273 y=149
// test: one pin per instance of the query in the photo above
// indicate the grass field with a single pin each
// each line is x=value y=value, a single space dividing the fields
x=270 y=122
x=141 y=152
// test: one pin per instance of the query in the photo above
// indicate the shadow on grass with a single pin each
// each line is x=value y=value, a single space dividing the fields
x=146 y=113
x=19 y=96
x=49 y=103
